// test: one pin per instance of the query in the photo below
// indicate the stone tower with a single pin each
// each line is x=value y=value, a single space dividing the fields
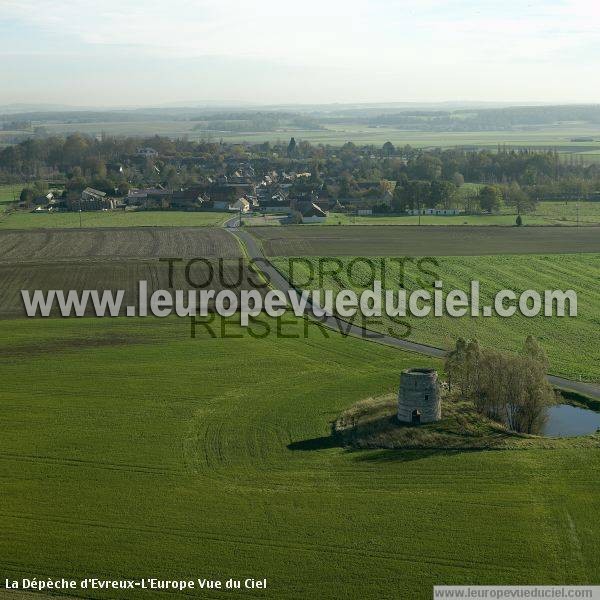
x=419 y=397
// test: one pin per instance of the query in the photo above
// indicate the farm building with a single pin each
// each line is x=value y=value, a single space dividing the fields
x=419 y=397
x=92 y=195
x=312 y=213
x=150 y=198
x=92 y=199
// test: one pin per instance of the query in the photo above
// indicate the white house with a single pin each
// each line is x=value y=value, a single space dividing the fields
x=240 y=205
x=448 y=211
x=147 y=152
x=433 y=211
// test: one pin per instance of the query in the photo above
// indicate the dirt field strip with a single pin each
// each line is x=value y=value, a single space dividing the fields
x=115 y=244
x=436 y=240
x=115 y=259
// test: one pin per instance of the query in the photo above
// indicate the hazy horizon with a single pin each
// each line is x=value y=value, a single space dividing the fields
x=457 y=104
x=188 y=53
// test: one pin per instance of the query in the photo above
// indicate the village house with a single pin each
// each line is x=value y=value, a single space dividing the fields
x=189 y=199
x=311 y=213
x=374 y=200
x=277 y=203
x=240 y=205
x=224 y=195
x=146 y=152
x=272 y=199
x=243 y=173
x=48 y=202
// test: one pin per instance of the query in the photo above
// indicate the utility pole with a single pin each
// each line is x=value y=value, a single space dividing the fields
x=577 y=209
x=80 y=211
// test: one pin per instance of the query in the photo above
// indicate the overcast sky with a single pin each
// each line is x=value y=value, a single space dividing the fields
x=134 y=52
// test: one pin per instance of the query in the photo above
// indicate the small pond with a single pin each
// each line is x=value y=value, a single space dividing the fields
x=565 y=420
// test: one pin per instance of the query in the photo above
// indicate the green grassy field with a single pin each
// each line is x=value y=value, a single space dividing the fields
x=559 y=137
x=503 y=220
x=549 y=137
x=546 y=213
x=28 y=220
x=571 y=342
x=130 y=450
x=568 y=213
x=8 y=193
x=345 y=219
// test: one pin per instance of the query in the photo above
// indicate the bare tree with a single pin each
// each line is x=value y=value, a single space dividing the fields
x=509 y=388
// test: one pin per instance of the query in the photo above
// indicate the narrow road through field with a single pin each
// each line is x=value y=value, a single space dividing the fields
x=278 y=281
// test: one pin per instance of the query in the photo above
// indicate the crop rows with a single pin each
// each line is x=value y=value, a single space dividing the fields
x=425 y=240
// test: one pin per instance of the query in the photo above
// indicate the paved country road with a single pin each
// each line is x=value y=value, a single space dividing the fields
x=278 y=281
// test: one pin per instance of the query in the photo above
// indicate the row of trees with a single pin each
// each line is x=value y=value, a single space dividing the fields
x=363 y=162
x=508 y=388
x=411 y=194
